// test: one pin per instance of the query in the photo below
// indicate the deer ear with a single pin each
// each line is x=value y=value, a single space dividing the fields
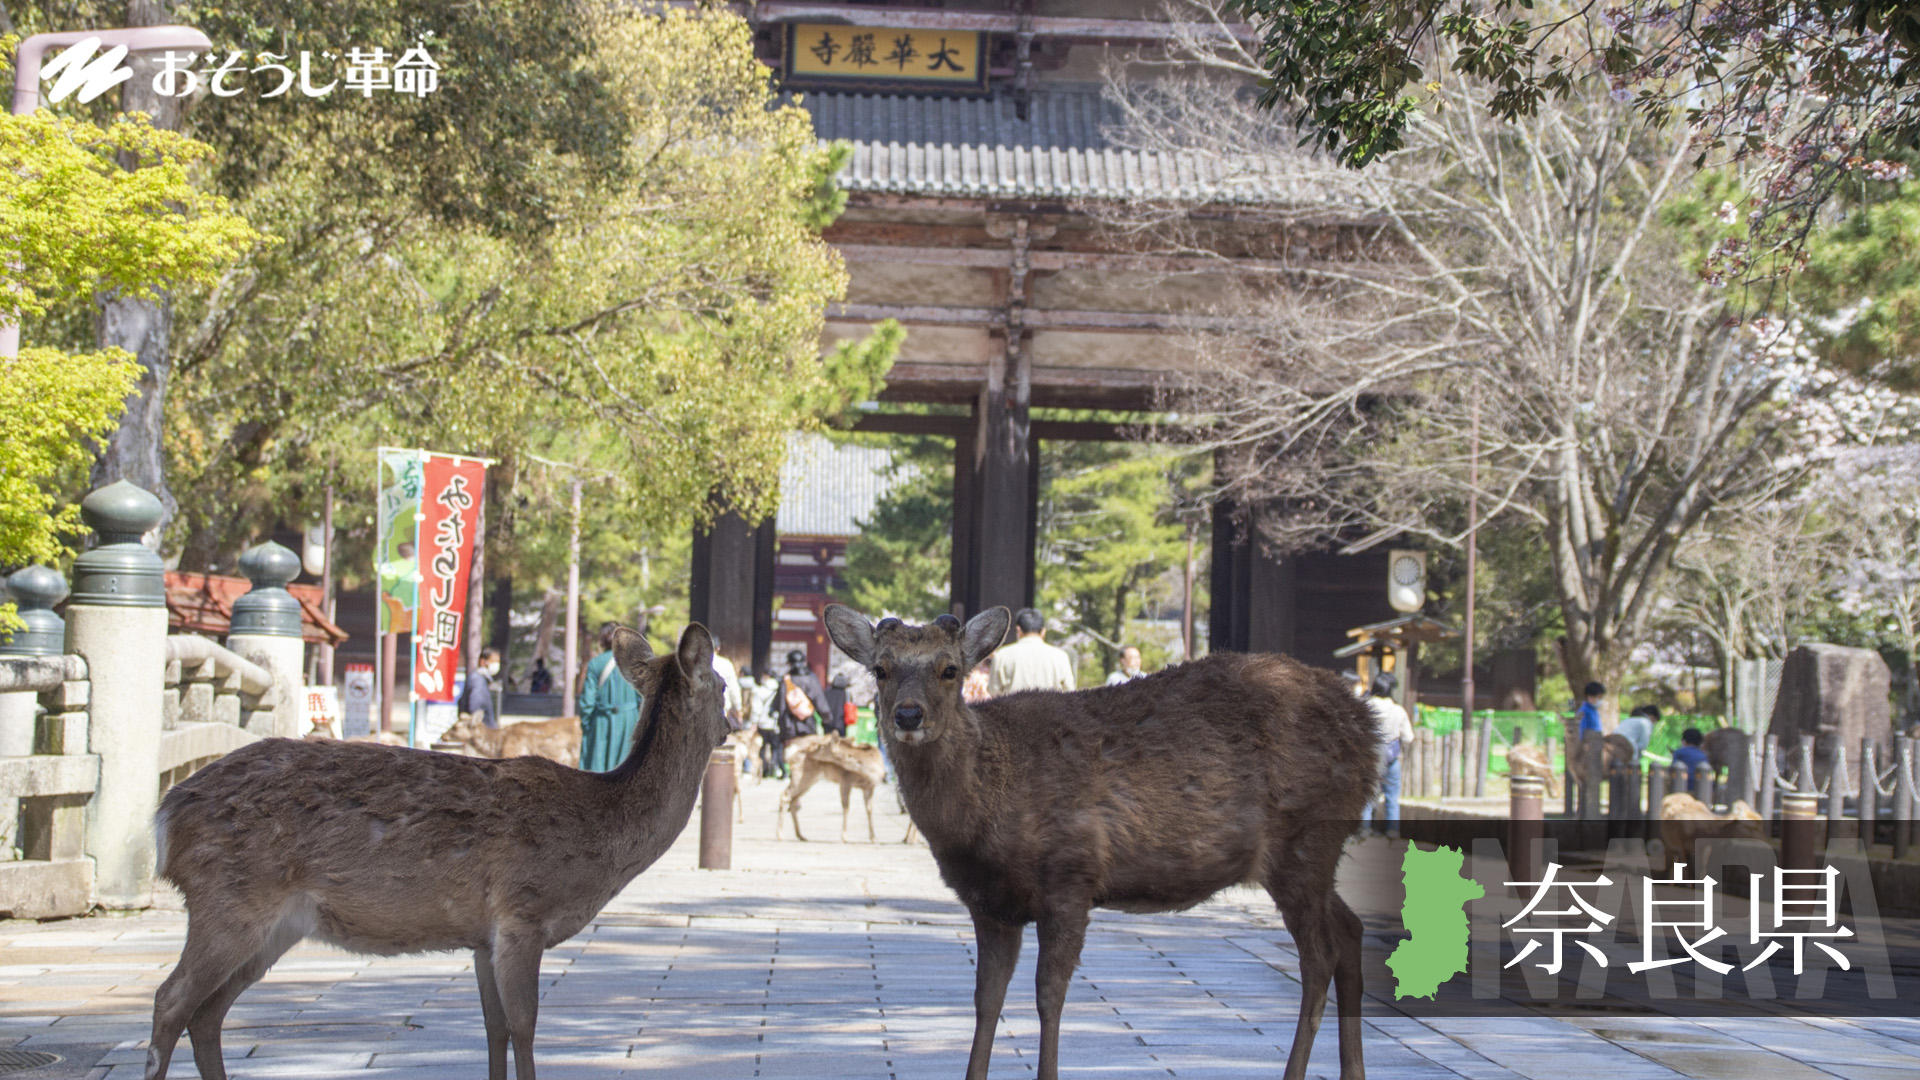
x=852 y=632
x=632 y=653
x=984 y=634
x=696 y=650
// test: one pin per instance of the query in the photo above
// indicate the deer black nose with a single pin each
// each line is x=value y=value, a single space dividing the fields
x=908 y=717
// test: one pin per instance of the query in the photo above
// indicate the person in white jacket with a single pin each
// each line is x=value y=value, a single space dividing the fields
x=1396 y=731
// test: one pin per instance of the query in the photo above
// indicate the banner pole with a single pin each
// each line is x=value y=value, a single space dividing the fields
x=381 y=720
x=569 y=665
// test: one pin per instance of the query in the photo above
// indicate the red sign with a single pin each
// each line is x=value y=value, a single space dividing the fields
x=449 y=517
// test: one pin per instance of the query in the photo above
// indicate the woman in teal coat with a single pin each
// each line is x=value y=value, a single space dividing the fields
x=609 y=710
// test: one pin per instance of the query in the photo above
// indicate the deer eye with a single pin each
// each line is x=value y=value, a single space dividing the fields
x=880 y=673
x=950 y=673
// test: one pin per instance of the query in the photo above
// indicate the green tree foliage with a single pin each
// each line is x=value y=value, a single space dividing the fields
x=1111 y=545
x=901 y=563
x=75 y=222
x=1865 y=271
x=662 y=327
x=522 y=85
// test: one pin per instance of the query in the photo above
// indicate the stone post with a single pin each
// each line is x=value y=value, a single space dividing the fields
x=117 y=622
x=266 y=630
x=1800 y=830
x=1525 y=826
x=34 y=590
x=1903 y=796
x=716 y=813
x=1656 y=795
x=1868 y=808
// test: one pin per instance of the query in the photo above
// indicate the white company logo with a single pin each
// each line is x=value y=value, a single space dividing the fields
x=78 y=69
x=413 y=72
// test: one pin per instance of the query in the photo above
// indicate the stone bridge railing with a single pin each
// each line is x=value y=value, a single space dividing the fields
x=103 y=711
x=215 y=701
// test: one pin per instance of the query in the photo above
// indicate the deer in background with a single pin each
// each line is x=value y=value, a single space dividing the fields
x=1147 y=796
x=386 y=850
x=836 y=758
x=556 y=740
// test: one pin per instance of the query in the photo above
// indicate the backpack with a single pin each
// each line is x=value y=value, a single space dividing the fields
x=798 y=703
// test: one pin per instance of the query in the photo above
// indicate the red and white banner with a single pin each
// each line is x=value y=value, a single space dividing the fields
x=449 y=518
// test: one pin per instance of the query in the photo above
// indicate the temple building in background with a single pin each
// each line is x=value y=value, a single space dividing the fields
x=983 y=153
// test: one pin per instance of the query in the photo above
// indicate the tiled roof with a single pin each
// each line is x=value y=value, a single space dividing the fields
x=828 y=489
x=980 y=147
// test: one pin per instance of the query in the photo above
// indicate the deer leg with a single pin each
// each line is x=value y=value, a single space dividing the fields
x=492 y=1012
x=203 y=1028
x=846 y=805
x=803 y=779
x=1345 y=939
x=1062 y=932
x=213 y=953
x=1327 y=934
x=999 y=945
x=872 y=837
x=516 y=974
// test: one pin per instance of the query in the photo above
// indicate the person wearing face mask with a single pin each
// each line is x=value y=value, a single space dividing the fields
x=477 y=697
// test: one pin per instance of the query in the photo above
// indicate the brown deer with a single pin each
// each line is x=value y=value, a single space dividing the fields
x=1532 y=759
x=835 y=758
x=1616 y=752
x=1147 y=796
x=388 y=850
x=1684 y=820
x=556 y=740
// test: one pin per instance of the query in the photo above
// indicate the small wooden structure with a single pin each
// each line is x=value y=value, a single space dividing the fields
x=1394 y=645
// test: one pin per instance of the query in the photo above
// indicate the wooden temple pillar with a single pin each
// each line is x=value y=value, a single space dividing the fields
x=731 y=592
x=996 y=473
x=996 y=491
x=1254 y=594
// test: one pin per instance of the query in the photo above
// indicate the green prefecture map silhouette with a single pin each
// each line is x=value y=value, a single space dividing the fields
x=1435 y=913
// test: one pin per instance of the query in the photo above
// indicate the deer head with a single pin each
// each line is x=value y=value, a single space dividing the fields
x=919 y=669
x=698 y=709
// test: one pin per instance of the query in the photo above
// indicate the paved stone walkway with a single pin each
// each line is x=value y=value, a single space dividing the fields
x=831 y=960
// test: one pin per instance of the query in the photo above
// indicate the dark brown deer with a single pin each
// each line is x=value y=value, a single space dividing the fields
x=1148 y=796
x=387 y=850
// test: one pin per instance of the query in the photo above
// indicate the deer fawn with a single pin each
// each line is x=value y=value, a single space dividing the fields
x=387 y=850
x=1148 y=796
x=556 y=740
x=837 y=759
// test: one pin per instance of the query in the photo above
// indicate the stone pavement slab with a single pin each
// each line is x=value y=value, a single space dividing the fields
x=851 y=960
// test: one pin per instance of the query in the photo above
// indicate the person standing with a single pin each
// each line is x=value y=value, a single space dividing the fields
x=476 y=698
x=1129 y=667
x=609 y=709
x=1589 y=711
x=834 y=720
x=1637 y=728
x=541 y=680
x=800 y=702
x=732 y=702
x=1396 y=730
x=1692 y=753
x=1029 y=663
x=766 y=718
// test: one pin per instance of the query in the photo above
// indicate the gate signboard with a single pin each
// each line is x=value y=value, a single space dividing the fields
x=876 y=58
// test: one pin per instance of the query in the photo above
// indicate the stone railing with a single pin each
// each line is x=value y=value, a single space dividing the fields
x=215 y=701
x=102 y=711
x=44 y=792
